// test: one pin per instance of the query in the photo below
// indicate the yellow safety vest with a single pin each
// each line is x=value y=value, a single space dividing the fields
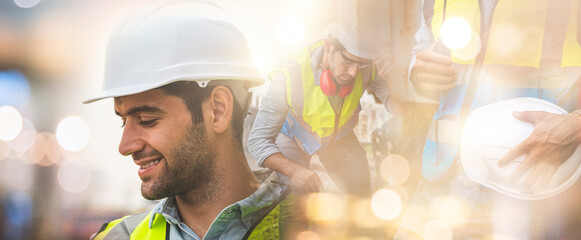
x=516 y=31
x=137 y=226
x=312 y=121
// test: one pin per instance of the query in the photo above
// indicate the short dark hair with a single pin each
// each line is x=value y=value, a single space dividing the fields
x=193 y=96
x=338 y=45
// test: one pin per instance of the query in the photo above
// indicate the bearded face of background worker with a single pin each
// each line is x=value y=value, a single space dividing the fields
x=342 y=63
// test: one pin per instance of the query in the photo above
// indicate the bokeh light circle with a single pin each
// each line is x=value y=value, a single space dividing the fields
x=395 y=169
x=25 y=139
x=74 y=176
x=10 y=123
x=325 y=207
x=386 y=204
x=73 y=133
x=26 y=3
x=455 y=33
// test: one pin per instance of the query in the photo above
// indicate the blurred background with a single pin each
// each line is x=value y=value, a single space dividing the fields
x=61 y=175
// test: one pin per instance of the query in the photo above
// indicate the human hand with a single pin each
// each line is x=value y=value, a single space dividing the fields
x=305 y=180
x=553 y=140
x=432 y=73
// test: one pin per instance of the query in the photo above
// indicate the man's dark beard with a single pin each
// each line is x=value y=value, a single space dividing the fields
x=192 y=169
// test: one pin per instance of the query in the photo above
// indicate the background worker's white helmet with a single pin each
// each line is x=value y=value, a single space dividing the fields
x=491 y=131
x=176 y=41
x=360 y=41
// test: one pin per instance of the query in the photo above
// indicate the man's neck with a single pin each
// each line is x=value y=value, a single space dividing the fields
x=234 y=183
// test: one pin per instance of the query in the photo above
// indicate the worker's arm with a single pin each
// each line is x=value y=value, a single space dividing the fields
x=268 y=121
x=551 y=143
x=261 y=141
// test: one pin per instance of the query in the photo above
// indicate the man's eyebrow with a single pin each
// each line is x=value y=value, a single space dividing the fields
x=140 y=109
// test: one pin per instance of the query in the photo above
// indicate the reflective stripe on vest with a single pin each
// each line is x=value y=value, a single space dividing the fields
x=313 y=125
x=517 y=30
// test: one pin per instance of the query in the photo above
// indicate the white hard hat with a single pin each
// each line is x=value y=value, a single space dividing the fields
x=176 y=41
x=359 y=41
x=491 y=131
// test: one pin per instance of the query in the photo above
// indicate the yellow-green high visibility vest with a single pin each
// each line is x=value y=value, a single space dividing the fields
x=312 y=122
x=137 y=226
x=516 y=31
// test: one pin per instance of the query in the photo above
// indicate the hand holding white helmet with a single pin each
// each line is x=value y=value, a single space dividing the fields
x=491 y=131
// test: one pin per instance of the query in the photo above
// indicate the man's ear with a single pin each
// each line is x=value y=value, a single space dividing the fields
x=221 y=102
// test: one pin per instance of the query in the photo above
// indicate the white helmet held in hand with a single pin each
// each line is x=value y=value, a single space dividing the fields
x=491 y=131
x=176 y=41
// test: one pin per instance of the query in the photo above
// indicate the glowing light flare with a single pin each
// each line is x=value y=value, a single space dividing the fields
x=45 y=150
x=451 y=209
x=18 y=175
x=395 y=169
x=455 y=33
x=386 y=204
x=362 y=215
x=291 y=29
x=74 y=176
x=471 y=50
x=325 y=207
x=73 y=133
x=25 y=139
x=437 y=230
x=261 y=62
x=10 y=123
x=26 y=3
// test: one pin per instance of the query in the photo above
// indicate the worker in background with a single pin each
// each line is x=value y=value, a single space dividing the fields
x=523 y=49
x=312 y=106
x=179 y=74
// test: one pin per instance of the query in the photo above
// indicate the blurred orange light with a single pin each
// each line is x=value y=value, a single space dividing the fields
x=325 y=207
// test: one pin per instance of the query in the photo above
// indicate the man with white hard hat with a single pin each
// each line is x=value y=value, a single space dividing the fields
x=312 y=106
x=502 y=147
x=179 y=73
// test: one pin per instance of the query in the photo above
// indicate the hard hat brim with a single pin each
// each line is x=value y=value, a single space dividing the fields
x=136 y=89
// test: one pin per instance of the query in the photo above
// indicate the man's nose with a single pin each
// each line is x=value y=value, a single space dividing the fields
x=352 y=70
x=131 y=141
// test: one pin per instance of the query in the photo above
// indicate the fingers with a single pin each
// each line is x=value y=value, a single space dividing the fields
x=513 y=153
x=521 y=170
x=432 y=56
x=434 y=65
x=423 y=78
x=306 y=181
x=548 y=171
x=530 y=116
x=433 y=72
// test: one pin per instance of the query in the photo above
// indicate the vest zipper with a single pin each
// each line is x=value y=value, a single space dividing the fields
x=337 y=117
